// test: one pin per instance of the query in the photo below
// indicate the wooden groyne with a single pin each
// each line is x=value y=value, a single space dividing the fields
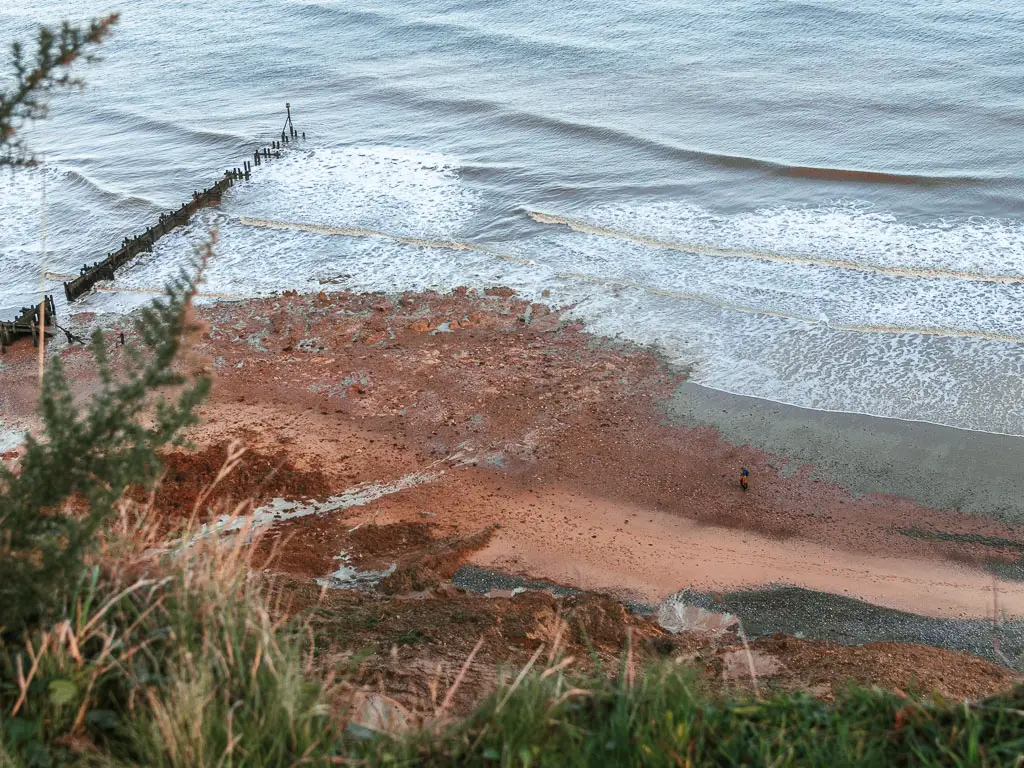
x=26 y=325
x=90 y=274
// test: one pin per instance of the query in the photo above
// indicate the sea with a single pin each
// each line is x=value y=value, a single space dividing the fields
x=815 y=202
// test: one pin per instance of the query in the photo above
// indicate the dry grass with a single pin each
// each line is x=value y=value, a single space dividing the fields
x=168 y=655
x=179 y=655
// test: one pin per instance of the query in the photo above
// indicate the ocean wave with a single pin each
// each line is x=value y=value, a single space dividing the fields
x=838 y=236
x=589 y=131
x=520 y=41
x=81 y=181
x=134 y=120
x=722 y=294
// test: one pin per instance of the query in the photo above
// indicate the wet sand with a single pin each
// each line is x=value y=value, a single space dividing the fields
x=938 y=466
x=649 y=555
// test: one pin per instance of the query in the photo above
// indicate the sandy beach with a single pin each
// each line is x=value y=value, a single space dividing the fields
x=604 y=469
x=935 y=465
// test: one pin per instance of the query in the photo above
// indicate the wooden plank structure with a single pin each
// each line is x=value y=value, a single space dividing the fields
x=90 y=274
x=27 y=325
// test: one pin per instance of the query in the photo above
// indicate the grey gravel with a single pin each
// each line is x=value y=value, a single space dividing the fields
x=805 y=613
x=482 y=580
x=817 y=615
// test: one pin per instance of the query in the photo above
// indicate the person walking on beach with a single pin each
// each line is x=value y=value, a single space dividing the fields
x=744 y=478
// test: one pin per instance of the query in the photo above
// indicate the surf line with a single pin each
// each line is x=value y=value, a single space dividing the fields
x=121 y=289
x=686 y=296
x=320 y=229
x=578 y=225
x=158 y=291
x=614 y=282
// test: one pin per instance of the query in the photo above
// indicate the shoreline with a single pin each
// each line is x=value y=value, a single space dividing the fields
x=603 y=470
x=784 y=609
x=864 y=414
x=936 y=465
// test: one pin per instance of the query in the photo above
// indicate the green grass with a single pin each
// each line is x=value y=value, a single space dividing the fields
x=668 y=719
x=185 y=666
x=182 y=665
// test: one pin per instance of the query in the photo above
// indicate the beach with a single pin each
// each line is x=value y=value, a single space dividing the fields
x=935 y=465
x=827 y=221
x=600 y=382
x=603 y=469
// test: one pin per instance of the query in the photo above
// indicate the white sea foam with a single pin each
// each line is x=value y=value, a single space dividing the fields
x=942 y=349
x=843 y=298
x=20 y=192
x=890 y=343
x=20 y=206
x=80 y=225
x=842 y=231
x=401 y=190
x=409 y=192
x=971 y=383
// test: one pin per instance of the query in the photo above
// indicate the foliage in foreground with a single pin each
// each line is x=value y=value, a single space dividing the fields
x=34 y=76
x=71 y=477
x=153 y=655
x=181 y=665
x=186 y=666
x=666 y=719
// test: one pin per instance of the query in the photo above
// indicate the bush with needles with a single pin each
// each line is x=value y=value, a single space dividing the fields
x=72 y=475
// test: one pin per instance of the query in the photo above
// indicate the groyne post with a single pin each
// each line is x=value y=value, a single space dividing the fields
x=130 y=247
x=30 y=324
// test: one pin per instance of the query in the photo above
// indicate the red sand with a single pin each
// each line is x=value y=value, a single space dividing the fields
x=568 y=451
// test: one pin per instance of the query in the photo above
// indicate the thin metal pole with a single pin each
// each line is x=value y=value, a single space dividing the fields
x=42 y=286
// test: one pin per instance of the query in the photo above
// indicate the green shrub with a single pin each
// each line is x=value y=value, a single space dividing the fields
x=89 y=456
x=668 y=719
x=33 y=77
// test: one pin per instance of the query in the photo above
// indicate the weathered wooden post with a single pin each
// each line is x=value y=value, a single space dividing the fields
x=131 y=246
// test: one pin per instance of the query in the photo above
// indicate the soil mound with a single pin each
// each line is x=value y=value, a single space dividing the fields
x=258 y=477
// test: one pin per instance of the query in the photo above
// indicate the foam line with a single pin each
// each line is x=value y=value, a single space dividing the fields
x=579 y=225
x=683 y=295
x=649 y=289
x=420 y=242
x=161 y=291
